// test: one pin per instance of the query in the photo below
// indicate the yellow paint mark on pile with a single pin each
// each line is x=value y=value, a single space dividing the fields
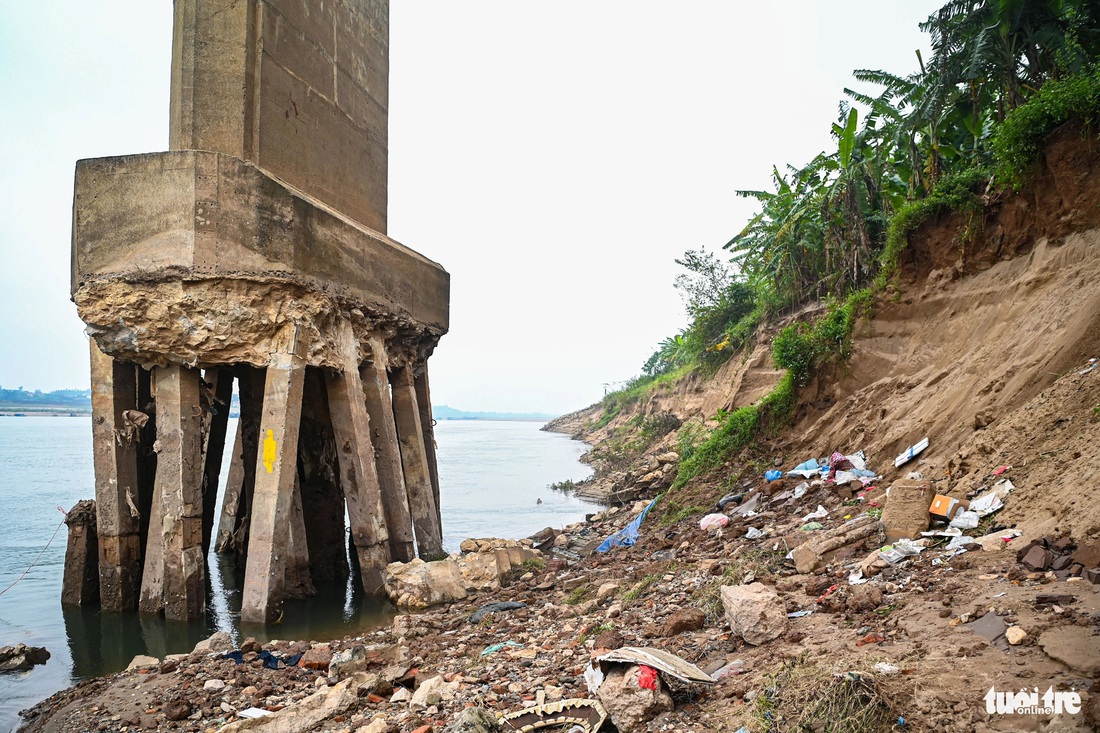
x=270 y=451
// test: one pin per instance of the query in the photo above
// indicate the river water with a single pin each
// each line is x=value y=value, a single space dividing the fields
x=492 y=475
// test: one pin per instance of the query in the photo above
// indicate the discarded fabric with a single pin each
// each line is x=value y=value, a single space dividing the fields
x=628 y=535
x=647 y=677
x=270 y=660
x=495 y=607
x=714 y=521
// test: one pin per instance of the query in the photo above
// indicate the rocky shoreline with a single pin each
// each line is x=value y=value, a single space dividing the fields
x=891 y=648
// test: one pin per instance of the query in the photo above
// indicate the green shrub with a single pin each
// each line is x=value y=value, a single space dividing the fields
x=954 y=192
x=1018 y=142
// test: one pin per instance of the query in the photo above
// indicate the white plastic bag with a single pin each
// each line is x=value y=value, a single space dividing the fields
x=714 y=521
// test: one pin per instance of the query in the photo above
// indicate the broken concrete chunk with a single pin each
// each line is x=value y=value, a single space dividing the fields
x=432 y=691
x=755 y=612
x=219 y=642
x=419 y=584
x=304 y=716
x=142 y=661
x=1037 y=558
x=905 y=515
x=629 y=704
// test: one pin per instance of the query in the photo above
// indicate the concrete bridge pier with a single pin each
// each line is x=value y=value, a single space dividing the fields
x=255 y=252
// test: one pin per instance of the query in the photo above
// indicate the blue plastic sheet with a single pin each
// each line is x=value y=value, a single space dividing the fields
x=807 y=469
x=628 y=535
x=773 y=475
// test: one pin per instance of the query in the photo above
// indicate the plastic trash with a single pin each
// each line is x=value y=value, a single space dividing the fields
x=495 y=607
x=806 y=469
x=992 y=500
x=965 y=520
x=910 y=453
x=801 y=489
x=812 y=526
x=799 y=614
x=773 y=474
x=754 y=534
x=735 y=667
x=647 y=677
x=960 y=542
x=714 y=521
x=900 y=550
x=886 y=669
x=730 y=499
x=253 y=713
x=593 y=677
x=628 y=535
x=494 y=648
x=821 y=513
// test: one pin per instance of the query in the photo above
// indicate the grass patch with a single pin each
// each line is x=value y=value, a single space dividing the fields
x=594 y=631
x=640 y=589
x=675 y=513
x=579 y=594
x=805 y=696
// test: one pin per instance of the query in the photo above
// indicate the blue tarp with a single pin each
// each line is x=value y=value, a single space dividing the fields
x=628 y=535
x=773 y=475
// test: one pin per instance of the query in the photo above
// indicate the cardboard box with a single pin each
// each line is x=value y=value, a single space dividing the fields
x=944 y=508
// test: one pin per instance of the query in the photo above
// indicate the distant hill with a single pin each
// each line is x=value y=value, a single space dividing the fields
x=442 y=412
x=61 y=401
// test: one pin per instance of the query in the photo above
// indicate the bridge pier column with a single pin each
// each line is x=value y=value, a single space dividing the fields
x=277 y=460
x=387 y=452
x=414 y=458
x=174 y=579
x=114 y=441
x=358 y=474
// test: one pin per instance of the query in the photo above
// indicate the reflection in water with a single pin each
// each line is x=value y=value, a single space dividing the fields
x=106 y=642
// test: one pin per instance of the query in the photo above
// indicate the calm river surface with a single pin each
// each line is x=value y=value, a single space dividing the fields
x=491 y=476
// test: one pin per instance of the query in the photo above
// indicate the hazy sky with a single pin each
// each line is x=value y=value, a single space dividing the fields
x=554 y=157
